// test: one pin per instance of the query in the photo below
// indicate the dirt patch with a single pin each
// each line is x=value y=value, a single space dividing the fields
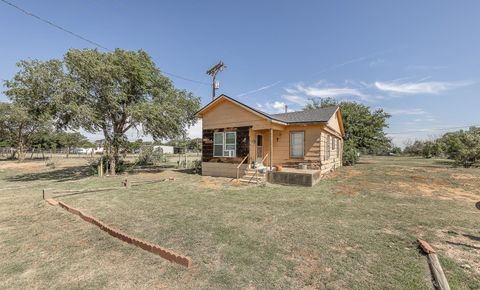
x=432 y=190
x=310 y=268
x=344 y=173
x=210 y=183
x=465 y=176
x=23 y=166
x=462 y=247
x=346 y=190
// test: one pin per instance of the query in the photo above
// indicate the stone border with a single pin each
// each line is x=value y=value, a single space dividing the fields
x=152 y=248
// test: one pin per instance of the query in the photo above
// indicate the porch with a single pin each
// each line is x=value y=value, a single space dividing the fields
x=294 y=176
x=280 y=156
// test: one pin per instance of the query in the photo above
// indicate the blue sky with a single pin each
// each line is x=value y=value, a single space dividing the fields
x=419 y=60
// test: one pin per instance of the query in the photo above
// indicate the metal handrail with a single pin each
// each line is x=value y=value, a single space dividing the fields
x=240 y=164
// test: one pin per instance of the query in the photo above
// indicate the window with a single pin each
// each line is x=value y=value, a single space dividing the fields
x=327 y=147
x=218 y=144
x=297 y=144
x=224 y=144
x=338 y=148
x=333 y=143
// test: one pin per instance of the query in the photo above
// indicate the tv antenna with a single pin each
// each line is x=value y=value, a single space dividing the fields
x=213 y=72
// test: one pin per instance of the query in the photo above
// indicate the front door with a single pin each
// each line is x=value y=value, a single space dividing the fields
x=259 y=148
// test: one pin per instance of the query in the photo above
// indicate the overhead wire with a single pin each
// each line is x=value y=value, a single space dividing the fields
x=74 y=34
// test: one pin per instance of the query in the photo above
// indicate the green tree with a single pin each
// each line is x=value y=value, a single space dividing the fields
x=463 y=146
x=70 y=140
x=110 y=92
x=415 y=148
x=37 y=87
x=18 y=127
x=363 y=127
x=432 y=149
x=396 y=150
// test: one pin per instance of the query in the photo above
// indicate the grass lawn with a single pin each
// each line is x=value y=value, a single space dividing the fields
x=354 y=230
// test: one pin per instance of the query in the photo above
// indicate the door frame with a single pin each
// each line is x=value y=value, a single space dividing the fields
x=257 y=147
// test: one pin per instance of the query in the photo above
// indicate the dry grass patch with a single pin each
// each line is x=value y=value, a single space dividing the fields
x=242 y=237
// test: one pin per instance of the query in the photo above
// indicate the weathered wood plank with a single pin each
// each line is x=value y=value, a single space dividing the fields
x=435 y=267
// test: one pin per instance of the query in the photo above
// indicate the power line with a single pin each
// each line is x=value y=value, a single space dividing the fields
x=28 y=13
x=184 y=78
x=53 y=24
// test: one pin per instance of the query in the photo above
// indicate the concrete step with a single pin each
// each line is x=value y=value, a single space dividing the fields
x=253 y=171
x=251 y=181
x=254 y=174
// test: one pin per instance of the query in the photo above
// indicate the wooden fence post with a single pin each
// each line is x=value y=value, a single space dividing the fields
x=436 y=268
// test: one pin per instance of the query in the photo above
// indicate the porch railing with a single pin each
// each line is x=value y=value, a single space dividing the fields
x=240 y=164
x=265 y=157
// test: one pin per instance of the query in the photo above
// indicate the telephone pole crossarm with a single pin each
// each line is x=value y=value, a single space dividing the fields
x=213 y=72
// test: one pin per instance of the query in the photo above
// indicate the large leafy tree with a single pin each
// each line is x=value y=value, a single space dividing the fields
x=18 y=127
x=110 y=92
x=37 y=87
x=462 y=146
x=363 y=127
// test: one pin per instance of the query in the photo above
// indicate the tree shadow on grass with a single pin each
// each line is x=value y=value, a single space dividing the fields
x=192 y=171
x=59 y=175
x=150 y=169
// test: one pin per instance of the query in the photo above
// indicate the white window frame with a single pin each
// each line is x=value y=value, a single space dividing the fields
x=224 y=144
x=303 y=144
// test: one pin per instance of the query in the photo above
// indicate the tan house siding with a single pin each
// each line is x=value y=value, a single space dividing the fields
x=227 y=114
x=331 y=158
x=334 y=124
x=281 y=144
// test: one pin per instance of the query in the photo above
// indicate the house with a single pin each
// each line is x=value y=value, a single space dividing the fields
x=164 y=149
x=238 y=138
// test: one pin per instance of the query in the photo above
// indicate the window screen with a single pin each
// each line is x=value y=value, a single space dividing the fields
x=296 y=144
x=223 y=142
x=218 y=144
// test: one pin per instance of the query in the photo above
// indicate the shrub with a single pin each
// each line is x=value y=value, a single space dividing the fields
x=463 y=147
x=148 y=156
x=350 y=153
x=93 y=164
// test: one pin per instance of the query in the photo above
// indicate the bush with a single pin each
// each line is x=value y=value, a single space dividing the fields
x=350 y=154
x=197 y=166
x=463 y=147
x=148 y=156
x=93 y=164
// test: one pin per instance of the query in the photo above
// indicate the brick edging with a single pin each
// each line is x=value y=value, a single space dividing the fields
x=155 y=249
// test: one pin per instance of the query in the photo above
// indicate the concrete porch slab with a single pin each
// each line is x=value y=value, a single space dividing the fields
x=292 y=176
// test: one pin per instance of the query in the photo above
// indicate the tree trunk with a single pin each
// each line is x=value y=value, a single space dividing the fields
x=68 y=151
x=115 y=156
x=20 y=153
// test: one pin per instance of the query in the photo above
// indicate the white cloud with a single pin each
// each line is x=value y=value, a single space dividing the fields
x=296 y=99
x=332 y=92
x=273 y=107
x=395 y=112
x=259 y=89
x=299 y=94
x=418 y=87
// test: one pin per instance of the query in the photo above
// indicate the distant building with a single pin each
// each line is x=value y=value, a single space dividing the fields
x=165 y=149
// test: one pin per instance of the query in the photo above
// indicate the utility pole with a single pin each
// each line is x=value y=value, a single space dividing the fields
x=213 y=72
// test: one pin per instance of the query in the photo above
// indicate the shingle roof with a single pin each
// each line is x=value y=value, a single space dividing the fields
x=308 y=116
x=320 y=115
